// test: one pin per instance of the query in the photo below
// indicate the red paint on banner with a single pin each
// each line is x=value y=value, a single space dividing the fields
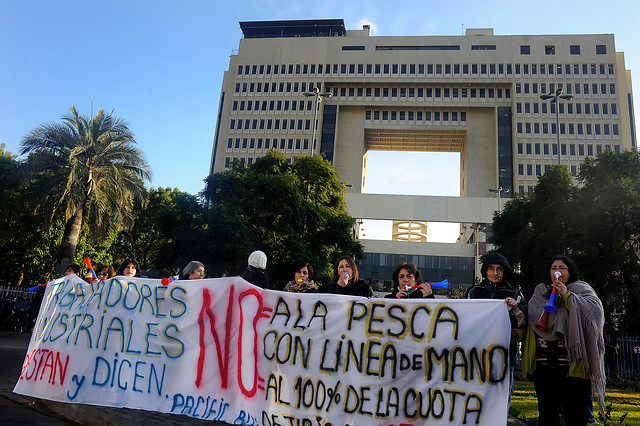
x=41 y=361
x=223 y=350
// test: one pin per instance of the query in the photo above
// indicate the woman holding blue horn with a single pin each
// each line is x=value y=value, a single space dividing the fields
x=565 y=355
x=407 y=283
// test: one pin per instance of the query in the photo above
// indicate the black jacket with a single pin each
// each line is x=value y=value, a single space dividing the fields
x=359 y=288
x=488 y=290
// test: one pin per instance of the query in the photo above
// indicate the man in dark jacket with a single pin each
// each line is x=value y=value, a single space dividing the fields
x=20 y=307
x=495 y=285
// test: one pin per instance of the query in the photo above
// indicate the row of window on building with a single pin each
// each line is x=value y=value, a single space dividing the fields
x=569 y=88
x=269 y=124
x=416 y=116
x=577 y=108
x=399 y=93
x=573 y=150
x=537 y=69
x=297 y=145
x=588 y=129
x=416 y=92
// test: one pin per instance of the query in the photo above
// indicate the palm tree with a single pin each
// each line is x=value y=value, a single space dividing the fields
x=88 y=168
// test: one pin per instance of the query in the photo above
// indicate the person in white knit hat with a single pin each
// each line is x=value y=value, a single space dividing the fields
x=256 y=272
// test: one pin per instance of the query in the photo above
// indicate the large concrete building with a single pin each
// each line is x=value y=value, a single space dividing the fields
x=477 y=95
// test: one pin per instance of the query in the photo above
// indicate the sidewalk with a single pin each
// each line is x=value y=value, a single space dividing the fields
x=25 y=411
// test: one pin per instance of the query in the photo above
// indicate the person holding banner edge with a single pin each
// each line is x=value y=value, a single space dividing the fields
x=496 y=272
x=407 y=283
x=564 y=354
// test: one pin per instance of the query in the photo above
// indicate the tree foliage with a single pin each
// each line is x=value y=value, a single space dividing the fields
x=86 y=168
x=166 y=234
x=27 y=245
x=594 y=219
x=292 y=212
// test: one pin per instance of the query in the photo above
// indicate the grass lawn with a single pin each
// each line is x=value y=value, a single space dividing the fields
x=524 y=405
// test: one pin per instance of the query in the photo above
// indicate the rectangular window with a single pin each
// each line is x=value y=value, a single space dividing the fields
x=601 y=49
x=525 y=50
x=483 y=47
x=574 y=49
x=549 y=50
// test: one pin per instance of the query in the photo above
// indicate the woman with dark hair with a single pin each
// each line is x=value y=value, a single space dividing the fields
x=345 y=279
x=564 y=352
x=193 y=271
x=407 y=283
x=302 y=279
x=128 y=268
x=104 y=272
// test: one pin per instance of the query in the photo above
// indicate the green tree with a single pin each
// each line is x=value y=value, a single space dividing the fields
x=167 y=233
x=26 y=244
x=87 y=168
x=531 y=227
x=290 y=211
x=594 y=220
x=605 y=234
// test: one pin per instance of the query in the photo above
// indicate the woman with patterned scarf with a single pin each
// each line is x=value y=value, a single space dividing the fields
x=564 y=350
x=302 y=279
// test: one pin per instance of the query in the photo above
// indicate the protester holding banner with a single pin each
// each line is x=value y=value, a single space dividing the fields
x=564 y=345
x=302 y=279
x=407 y=283
x=129 y=268
x=193 y=271
x=495 y=285
x=345 y=279
x=256 y=272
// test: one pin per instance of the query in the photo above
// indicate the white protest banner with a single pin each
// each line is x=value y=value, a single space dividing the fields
x=222 y=349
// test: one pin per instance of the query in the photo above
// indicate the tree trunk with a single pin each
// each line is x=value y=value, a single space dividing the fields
x=69 y=243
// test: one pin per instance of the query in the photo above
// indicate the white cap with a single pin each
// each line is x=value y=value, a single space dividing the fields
x=258 y=259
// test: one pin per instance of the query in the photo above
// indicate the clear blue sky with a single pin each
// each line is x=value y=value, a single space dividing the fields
x=160 y=63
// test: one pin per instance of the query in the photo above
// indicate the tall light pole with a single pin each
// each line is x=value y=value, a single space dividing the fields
x=318 y=98
x=554 y=99
x=477 y=228
x=499 y=191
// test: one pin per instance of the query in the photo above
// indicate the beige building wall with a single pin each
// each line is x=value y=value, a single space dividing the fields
x=477 y=94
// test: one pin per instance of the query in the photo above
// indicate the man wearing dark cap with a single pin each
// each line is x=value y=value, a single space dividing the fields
x=495 y=285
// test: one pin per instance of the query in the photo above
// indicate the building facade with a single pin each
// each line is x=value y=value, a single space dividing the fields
x=477 y=95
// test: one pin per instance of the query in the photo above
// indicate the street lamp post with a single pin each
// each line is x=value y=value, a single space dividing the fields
x=554 y=99
x=317 y=99
x=499 y=191
x=477 y=228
